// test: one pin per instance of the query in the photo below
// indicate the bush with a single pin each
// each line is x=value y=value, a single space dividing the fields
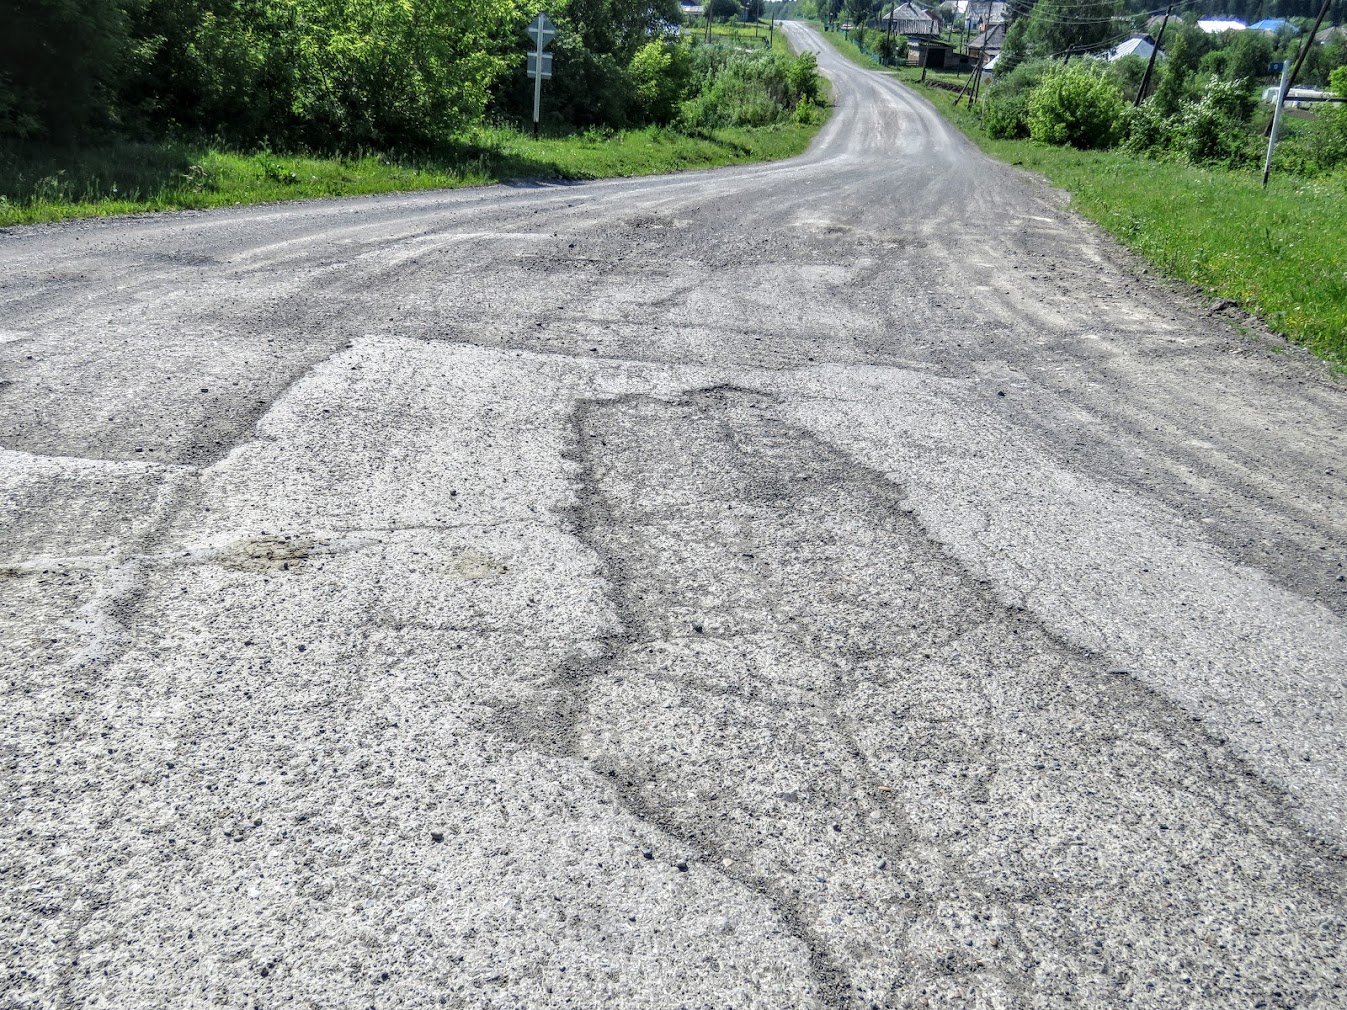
x=1006 y=105
x=1006 y=117
x=733 y=87
x=891 y=48
x=1076 y=105
x=803 y=78
x=1127 y=74
x=1321 y=145
x=658 y=79
x=1023 y=79
x=1231 y=98
x=1337 y=82
x=1146 y=129
x=1212 y=129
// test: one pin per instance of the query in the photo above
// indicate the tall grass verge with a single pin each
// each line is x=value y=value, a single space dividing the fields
x=47 y=183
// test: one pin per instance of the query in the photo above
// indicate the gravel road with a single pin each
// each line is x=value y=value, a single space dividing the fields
x=840 y=583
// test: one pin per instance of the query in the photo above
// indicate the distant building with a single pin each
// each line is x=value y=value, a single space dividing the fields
x=980 y=10
x=1137 y=45
x=691 y=11
x=1273 y=26
x=1327 y=35
x=1213 y=26
x=910 y=20
x=1297 y=98
x=988 y=43
x=937 y=55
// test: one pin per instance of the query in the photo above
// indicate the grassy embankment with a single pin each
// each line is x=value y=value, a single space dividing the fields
x=750 y=35
x=1279 y=254
x=47 y=183
x=51 y=184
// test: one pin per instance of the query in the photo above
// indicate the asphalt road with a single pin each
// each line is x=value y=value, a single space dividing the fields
x=848 y=582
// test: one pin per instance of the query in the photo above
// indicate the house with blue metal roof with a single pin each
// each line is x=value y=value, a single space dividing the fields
x=1274 y=26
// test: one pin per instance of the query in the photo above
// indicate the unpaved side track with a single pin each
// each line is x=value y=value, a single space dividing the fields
x=846 y=582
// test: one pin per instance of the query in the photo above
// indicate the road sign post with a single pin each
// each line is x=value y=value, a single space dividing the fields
x=1276 y=122
x=542 y=31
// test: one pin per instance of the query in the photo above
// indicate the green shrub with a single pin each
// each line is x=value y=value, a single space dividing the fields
x=1023 y=78
x=733 y=87
x=1076 y=105
x=1320 y=146
x=1337 y=81
x=1127 y=74
x=891 y=48
x=1233 y=99
x=1146 y=129
x=658 y=79
x=1213 y=129
x=1006 y=117
x=803 y=78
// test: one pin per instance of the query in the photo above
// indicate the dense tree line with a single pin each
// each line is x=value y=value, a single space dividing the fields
x=326 y=74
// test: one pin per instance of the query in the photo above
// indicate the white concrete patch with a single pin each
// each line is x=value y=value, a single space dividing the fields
x=1111 y=573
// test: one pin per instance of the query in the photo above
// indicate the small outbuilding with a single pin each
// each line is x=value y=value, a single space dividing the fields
x=935 y=54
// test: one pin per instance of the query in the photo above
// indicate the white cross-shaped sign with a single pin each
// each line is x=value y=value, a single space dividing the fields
x=541 y=30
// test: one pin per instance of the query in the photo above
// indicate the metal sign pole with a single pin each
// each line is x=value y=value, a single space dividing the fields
x=1276 y=121
x=538 y=86
x=542 y=31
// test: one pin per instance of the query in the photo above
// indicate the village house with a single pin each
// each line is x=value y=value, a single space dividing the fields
x=910 y=20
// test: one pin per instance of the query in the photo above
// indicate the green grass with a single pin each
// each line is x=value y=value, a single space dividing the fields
x=850 y=50
x=750 y=35
x=1278 y=254
x=44 y=183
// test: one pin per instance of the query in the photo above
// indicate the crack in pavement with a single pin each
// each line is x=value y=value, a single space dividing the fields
x=940 y=800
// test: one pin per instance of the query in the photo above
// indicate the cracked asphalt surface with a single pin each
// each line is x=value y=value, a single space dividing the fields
x=847 y=582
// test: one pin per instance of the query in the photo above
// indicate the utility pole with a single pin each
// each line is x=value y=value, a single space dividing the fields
x=1155 y=52
x=1288 y=82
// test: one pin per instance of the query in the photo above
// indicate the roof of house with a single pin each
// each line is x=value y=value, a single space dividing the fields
x=992 y=38
x=991 y=10
x=1273 y=25
x=1213 y=26
x=1137 y=45
x=909 y=19
x=1328 y=34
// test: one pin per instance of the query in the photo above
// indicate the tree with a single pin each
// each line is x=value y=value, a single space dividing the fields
x=891 y=48
x=1058 y=26
x=1173 y=78
x=1016 y=46
x=60 y=64
x=858 y=11
x=593 y=52
x=1249 y=56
